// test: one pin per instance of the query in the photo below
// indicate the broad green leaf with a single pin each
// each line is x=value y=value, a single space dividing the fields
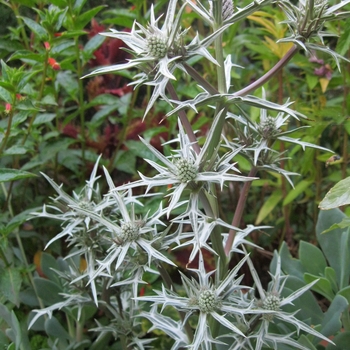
x=343 y=45
x=50 y=149
x=18 y=220
x=345 y=292
x=69 y=83
x=290 y=265
x=47 y=264
x=311 y=80
x=62 y=46
x=48 y=290
x=269 y=205
x=5 y=95
x=304 y=340
x=72 y=34
x=87 y=16
x=16 y=150
x=120 y=17
x=28 y=297
x=337 y=196
x=9 y=87
x=331 y=323
x=345 y=223
x=140 y=150
x=296 y=191
x=126 y=161
x=335 y=244
x=94 y=43
x=306 y=303
x=13 y=174
x=10 y=284
x=43 y=118
x=25 y=54
x=78 y=5
x=322 y=287
x=36 y=28
x=103 y=113
x=55 y=329
x=10 y=45
x=331 y=276
x=49 y=100
x=312 y=258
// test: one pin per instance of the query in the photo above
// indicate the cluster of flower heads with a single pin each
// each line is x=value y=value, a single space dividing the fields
x=119 y=247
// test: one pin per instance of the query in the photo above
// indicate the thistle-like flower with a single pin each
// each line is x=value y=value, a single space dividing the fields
x=259 y=137
x=187 y=170
x=159 y=51
x=306 y=22
x=271 y=305
x=127 y=234
x=208 y=299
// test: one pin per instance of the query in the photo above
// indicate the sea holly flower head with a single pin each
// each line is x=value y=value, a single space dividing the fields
x=185 y=169
x=270 y=306
x=306 y=22
x=207 y=297
x=159 y=50
x=125 y=233
x=258 y=137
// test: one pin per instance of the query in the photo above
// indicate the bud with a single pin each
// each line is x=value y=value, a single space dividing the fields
x=47 y=45
x=54 y=64
x=267 y=128
x=8 y=108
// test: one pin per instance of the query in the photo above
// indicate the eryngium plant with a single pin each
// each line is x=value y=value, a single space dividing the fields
x=120 y=241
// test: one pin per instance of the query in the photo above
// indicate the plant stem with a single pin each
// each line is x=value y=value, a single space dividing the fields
x=239 y=211
x=209 y=208
x=184 y=120
x=21 y=25
x=267 y=76
x=200 y=80
x=7 y=134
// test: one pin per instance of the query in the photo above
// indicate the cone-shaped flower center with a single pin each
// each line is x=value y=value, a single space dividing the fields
x=130 y=232
x=207 y=301
x=268 y=128
x=185 y=170
x=272 y=302
x=157 y=46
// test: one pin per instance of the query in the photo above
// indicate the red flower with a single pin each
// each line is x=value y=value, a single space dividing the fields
x=55 y=65
x=8 y=107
